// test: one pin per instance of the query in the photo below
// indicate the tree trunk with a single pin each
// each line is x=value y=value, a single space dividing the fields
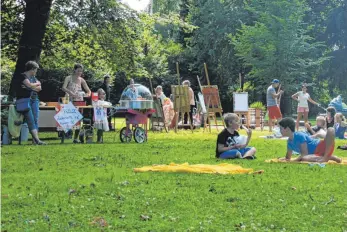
x=34 y=28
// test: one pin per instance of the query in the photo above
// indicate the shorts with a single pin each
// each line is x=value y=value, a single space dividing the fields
x=274 y=112
x=320 y=149
x=234 y=153
x=302 y=109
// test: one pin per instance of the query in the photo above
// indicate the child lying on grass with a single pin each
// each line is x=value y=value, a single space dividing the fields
x=228 y=146
x=317 y=131
x=309 y=149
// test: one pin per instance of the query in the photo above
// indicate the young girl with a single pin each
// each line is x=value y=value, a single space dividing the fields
x=100 y=115
x=228 y=146
x=340 y=126
x=303 y=98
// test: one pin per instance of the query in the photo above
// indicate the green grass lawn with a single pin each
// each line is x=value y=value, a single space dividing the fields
x=67 y=187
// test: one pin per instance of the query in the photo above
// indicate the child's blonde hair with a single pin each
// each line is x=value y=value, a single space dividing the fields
x=321 y=119
x=100 y=91
x=229 y=118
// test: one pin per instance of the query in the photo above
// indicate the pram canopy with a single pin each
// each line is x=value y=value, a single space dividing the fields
x=339 y=105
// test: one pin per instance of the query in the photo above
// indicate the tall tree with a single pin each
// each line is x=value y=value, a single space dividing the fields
x=209 y=43
x=34 y=27
x=277 y=45
x=335 y=70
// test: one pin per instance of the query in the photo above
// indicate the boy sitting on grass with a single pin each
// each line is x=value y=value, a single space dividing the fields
x=227 y=141
x=317 y=131
x=309 y=149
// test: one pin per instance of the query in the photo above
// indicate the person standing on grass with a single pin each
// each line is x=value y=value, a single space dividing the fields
x=191 y=103
x=227 y=141
x=24 y=89
x=271 y=102
x=309 y=149
x=101 y=124
x=73 y=88
x=302 y=97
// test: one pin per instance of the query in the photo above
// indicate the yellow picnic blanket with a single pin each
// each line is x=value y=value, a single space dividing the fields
x=344 y=161
x=223 y=168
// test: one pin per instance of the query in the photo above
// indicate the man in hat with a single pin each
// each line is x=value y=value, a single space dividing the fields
x=274 y=111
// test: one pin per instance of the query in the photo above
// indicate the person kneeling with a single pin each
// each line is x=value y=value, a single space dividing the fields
x=309 y=149
x=228 y=141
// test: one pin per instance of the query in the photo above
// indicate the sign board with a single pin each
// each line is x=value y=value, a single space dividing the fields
x=68 y=116
x=202 y=103
x=100 y=114
x=240 y=102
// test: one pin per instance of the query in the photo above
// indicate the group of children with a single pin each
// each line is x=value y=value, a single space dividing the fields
x=332 y=120
x=315 y=145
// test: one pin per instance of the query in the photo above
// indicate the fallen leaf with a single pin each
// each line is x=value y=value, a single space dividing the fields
x=99 y=221
x=144 y=217
x=71 y=191
x=258 y=172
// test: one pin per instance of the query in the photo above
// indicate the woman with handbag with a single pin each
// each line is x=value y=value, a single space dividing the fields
x=23 y=90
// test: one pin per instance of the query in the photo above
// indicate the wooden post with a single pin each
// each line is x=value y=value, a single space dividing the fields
x=207 y=78
x=150 y=84
x=279 y=99
x=199 y=83
x=179 y=98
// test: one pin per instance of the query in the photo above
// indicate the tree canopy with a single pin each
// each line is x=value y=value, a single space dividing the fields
x=295 y=41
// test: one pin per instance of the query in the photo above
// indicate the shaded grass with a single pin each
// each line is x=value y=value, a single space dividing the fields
x=65 y=187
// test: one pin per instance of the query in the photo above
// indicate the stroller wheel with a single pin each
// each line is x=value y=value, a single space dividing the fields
x=125 y=135
x=140 y=135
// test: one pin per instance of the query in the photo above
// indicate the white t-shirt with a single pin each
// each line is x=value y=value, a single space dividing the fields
x=303 y=98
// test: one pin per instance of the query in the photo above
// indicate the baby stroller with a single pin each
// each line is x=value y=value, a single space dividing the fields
x=339 y=105
x=87 y=131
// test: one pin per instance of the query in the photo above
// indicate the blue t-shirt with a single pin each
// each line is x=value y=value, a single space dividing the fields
x=270 y=101
x=300 y=138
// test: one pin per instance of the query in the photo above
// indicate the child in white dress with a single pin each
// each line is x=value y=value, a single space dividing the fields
x=100 y=115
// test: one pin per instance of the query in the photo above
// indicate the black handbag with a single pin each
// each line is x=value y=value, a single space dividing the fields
x=23 y=104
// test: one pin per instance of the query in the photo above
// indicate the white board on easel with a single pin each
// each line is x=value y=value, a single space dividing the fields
x=202 y=102
x=240 y=102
